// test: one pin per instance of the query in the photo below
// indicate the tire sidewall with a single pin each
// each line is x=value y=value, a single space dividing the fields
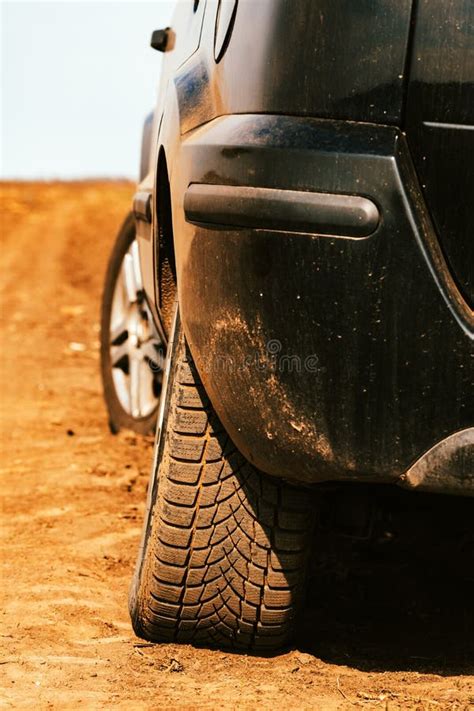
x=153 y=485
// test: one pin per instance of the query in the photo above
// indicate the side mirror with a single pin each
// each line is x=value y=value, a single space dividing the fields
x=159 y=39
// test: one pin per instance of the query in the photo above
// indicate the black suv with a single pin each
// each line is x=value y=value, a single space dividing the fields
x=290 y=302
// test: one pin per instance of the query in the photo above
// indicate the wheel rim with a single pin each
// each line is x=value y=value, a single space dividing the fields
x=137 y=354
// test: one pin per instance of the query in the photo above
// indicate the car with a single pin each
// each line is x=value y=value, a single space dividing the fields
x=289 y=304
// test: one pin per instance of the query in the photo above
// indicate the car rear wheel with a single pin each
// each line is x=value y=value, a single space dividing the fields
x=132 y=352
x=224 y=551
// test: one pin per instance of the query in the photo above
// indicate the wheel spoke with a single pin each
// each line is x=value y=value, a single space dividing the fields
x=129 y=280
x=119 y=353
x=152 y=354
x=119 y=332
x=136 y=385
x=134 y=251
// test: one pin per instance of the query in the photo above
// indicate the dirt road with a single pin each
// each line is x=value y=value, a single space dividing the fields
x=72 y=505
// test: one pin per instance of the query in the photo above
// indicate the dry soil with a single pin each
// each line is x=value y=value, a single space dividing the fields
x=393 y=630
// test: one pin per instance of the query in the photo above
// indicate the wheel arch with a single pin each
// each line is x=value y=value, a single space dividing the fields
x=164 y=250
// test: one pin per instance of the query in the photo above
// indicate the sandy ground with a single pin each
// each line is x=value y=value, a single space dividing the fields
x=392 y=633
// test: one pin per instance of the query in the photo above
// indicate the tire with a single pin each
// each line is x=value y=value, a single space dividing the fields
x=224 y=551
x=118 y=415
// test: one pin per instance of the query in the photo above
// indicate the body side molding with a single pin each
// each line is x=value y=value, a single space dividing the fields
x=281 y=210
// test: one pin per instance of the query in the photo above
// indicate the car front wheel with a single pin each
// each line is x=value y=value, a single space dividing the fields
x=132 y=352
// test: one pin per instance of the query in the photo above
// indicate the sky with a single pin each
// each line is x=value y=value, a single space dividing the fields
x=78 y=78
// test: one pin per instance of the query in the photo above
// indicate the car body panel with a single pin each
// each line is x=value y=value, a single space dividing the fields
x=325 y=356
x=301 y=100
x=440 y=126
x=298 y=58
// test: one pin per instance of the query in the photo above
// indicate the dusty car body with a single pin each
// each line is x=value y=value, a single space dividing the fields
x=319 y=158
x=290 y=304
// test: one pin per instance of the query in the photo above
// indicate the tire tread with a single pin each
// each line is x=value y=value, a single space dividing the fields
x=226 y=555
